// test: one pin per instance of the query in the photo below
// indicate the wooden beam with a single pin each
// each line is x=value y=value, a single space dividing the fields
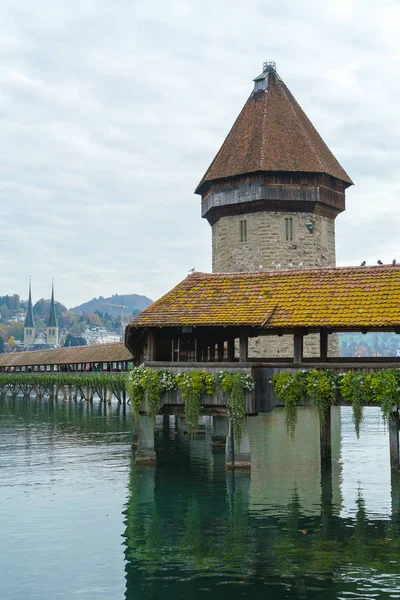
x=323 y=343
x=298 y=346
x=221 y=351
x=243 y=346
x=151 y=345
x=231 y=349
x=199 y=350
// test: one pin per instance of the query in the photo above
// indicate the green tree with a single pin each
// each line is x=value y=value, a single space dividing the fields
x=5 y=312
x=71 y=340
x=11 y=342
x=17 y=330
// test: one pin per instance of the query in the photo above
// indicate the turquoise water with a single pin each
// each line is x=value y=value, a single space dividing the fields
x=79 y=520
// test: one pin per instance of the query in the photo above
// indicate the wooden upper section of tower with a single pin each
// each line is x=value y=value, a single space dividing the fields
x=273 y=136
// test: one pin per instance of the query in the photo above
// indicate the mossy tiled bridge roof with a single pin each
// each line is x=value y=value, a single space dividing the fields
x=100 y=353
x=343 y=298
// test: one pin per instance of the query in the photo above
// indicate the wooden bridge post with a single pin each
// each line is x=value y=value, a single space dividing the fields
x=219 y=431
x=298 y=341
x=145 y=452
x=199 y=350
x=151 y=345
x=243 y=346
x=395 y=492
x=231 y=349
x=394 y=441
x=325 y=439
x=238 y=455
x=323 y=343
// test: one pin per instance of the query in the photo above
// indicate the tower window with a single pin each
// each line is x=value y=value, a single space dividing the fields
x=243 y=231
x=289 y=229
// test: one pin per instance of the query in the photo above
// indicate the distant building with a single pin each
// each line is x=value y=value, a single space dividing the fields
x=29 y=324
x=52 y=325
x=34 y=340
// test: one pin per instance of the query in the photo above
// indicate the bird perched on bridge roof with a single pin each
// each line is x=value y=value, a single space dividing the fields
x=380 y=263
x=394 y=262
x=192 y=270
x=363 y=263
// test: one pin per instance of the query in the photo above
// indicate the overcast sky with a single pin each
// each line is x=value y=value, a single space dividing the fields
x=111 y=111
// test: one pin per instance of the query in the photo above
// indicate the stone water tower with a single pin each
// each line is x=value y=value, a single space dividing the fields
x=273 y=191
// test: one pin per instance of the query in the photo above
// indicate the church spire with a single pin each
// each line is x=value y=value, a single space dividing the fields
x=29 y=318
x=52 y=320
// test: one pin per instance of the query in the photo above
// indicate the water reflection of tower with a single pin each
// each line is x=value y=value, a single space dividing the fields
x=280 y=463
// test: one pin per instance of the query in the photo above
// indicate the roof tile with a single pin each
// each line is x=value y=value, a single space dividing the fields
x=333 y=297
x=272 y=133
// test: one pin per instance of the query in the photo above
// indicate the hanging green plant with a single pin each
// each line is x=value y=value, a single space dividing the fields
x=385 y=389
x=148 y=385
x=322 y=388
x=192 y=384
x=135 y=388
x=290 y=388
x=235 y=383
x=353 y=389
x=153 y=390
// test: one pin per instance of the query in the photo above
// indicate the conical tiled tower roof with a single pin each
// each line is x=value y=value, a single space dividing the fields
x=29 y=318
x=52 y=320
x=272 y=133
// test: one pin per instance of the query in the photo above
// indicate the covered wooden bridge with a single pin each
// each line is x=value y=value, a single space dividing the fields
x=210 y=317
x=100 y=357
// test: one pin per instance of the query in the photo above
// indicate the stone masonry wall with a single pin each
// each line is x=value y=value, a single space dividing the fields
x=266 y=245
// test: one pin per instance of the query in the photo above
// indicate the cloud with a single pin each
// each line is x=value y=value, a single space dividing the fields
x=110 y=113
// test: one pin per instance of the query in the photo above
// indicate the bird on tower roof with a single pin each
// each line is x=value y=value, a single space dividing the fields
x=52 y=320
x=272 y=133
x=29 y=318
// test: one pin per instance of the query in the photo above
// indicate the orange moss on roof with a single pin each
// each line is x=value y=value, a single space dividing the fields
x=334 y=297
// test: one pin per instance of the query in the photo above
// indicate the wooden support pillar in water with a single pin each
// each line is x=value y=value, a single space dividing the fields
x=145 y=452
x=201 y=427
x=325 y=439
x=326 y=498
x=219 y=431
x=394 y=441
x=395 y=493
x=238 y=454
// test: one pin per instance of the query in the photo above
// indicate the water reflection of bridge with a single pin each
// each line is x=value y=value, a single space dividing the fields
x=116 y=357
x=192 y=525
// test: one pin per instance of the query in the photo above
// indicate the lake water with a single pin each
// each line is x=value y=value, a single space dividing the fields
x=80 y=521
